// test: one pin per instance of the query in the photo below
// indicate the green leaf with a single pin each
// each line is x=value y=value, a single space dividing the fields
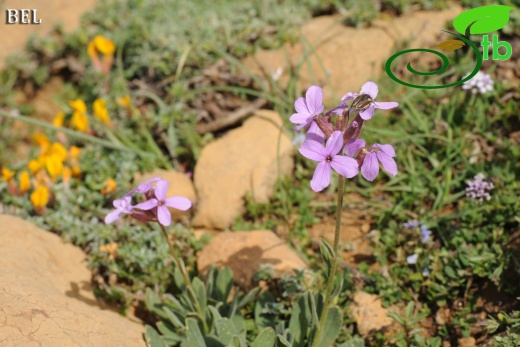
x=224 y=284
x=266 y=338
x=193 y=334
x=225 y=330
x=482 y=20
x=263 y=319
x=152 y=337
x=332 y=327
x=282 y=341
x=200 y=292
x=246 y=299
x=300 y=320
x=237 y=341
x=327 y=252
x=409 y=309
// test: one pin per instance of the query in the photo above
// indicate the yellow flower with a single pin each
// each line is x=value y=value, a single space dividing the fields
x=102 y=45
x=59 y=150
x=58 y=119
x=76 y=171
x=78 y=105
x=40 y=197
x=110 y=248
x=7 y=174
x=74 y=152
x=35 y=165
x=109 y=186
x=54 y=165
x=67 y=174
x=25 y=181
x=41 y=140
x=80 y=121
x=100 y=111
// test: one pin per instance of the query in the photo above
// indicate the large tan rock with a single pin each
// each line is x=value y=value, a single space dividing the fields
x=244 y=251
x=179 y=184
x=369 y=314
x=242 y=161
x=342 y=59
x=45 y=294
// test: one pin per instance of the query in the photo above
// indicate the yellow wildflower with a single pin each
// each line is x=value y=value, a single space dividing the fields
x=59 y=150
x=110 y=248
x=40 y=197
x=100 y=111
x=7 y=174
x=35 y=165
x=74 y=152
x=58 y=119
x=78 y=105
x=80 y=121
x=25 y=181
x=41 y=140
x=109 y=186
x=54 y=165
x=67 y=174
x=76 y=171
x=104 y=46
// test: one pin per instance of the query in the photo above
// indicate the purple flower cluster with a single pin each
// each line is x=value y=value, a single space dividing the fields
x=155 y=208
x=425 y=232
x=333 y=141
x=478 y=188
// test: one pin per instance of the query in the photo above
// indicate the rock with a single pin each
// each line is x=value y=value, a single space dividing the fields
x=244 y=251
x=242 y=161
x=467 y=342
x=180 y=184
x=45 y=294
x=369 y=314
x=345 y=57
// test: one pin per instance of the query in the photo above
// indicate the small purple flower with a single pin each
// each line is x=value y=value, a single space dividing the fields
x=411 y=224
x=412 y=259
x=426 y=272
x=371 y=89
x=478 y=188
x=307 y=108
x=328 y=157
x=123 y=205
x=161 y=202
x=425 y=234
x=352 y=147
x=383 y=153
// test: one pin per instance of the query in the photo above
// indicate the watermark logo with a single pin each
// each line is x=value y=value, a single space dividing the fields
x=480 y=20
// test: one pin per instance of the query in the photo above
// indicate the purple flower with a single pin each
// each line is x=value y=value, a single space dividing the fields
x=352 y=147
x=371 y=89
x=161 y=202
x=307 y=108
x=411 y=224
x=123 y=205
x=478 y=188
x=328 y=157
x=383 y=153
x=425 y=234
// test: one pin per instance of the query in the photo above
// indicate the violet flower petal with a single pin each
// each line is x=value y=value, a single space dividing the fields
x=146 y=186
x=147 y=205
x=371 y=89
x=313 y=150
x=386 y=105
x=370 y=167
x=321 y=178
x=345 y=166
x=349 y=96
x=163 y=215
x=388 y=163
x=368 y=113
x=300 y=118
x=314 y=100
x=387 y=149
x=112 y=216
x=301 y=107
x=161 y=188
x=315 y=133
x=178 y=202
x=334 y=143
x=353 y=147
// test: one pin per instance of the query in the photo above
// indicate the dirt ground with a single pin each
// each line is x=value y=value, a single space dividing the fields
x=51 y=12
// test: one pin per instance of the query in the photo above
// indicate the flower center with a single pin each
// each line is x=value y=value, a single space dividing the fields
x=329 y=159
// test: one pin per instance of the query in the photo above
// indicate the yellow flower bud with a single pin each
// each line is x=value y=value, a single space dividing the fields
x=35 y=165
x=25 y=181
x=7 y=174
x=41 y=140
x=59 y=150
x=76 y=171
x=100 y=111
x=67 y=174
x=110 y=248
x=80 y=121
x=78 y=105
x=74 y=152
x=40 y=197
x=109 y=186
x=103 y=45
x=54 y=165
x=58 y=119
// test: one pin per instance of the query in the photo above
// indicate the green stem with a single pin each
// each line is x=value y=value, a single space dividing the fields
x=189 y=288
x=334 y=265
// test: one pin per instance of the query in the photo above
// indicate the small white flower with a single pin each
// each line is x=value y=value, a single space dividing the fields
x=277 y=74
x=412 y=259
x=481 y=83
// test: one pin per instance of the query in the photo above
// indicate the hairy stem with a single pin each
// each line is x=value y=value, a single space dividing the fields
x=334 y=264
